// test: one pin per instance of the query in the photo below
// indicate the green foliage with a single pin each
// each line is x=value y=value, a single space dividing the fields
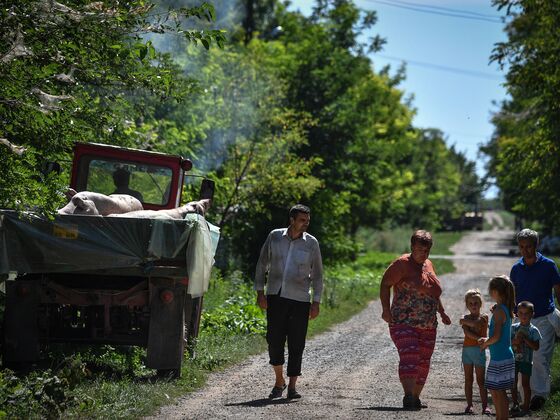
x=397 y=240
x=39 y=394
x=552 y=407
x=80 y=71
x=301 y=117
x=376 y=167
x=296 y=115
x=527 y=135
x=236 y=315
x=275 y=119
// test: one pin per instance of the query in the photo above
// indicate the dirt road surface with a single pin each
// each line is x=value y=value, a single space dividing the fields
x=350 y=372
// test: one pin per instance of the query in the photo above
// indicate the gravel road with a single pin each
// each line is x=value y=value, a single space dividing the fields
x=351 y=371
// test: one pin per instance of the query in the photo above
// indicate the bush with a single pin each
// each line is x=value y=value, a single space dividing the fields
x=238 y=314
x=39 y=394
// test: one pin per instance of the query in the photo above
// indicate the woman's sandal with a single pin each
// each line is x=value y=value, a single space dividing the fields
x=486 y=411
x=409 y=403
x=420 y=404
x=276 y=392
x=469 y=410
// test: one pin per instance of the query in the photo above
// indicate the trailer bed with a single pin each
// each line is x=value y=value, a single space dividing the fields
x=30 y=243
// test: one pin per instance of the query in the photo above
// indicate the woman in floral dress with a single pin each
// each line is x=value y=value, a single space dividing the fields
x=412 y=315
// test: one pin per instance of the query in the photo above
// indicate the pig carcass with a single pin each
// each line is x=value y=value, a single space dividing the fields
x=199 y=207
x=93 y=204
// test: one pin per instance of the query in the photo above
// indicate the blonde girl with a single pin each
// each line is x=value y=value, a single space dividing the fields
x=500 y=374
x=475 y=326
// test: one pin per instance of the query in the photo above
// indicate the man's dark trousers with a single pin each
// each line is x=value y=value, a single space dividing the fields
x=286 y=318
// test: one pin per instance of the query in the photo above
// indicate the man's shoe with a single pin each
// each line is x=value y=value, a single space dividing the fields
x=537 y=402
x=409 y=403
x=293 y=394
x=276 y=392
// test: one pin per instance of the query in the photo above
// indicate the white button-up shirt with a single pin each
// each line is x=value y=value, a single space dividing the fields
x=292 y=265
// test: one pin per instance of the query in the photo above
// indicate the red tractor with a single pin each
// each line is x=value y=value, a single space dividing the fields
x=107 y=280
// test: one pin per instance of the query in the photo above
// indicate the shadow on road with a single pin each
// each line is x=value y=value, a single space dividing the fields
x=381 y=408
x=262 y=402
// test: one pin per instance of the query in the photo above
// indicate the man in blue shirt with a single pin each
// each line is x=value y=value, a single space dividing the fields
x=534 y=277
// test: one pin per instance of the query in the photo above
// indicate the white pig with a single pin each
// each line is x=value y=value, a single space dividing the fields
x=92 y=203
x=199 y=207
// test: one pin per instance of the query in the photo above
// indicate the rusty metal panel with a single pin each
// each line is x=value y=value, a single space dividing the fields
x=21 y=329
x=166 y=333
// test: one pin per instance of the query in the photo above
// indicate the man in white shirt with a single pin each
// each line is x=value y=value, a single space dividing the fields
x=290 y=263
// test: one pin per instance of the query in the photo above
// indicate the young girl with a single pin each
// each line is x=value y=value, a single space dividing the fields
x=500 y=375
x=475 y=326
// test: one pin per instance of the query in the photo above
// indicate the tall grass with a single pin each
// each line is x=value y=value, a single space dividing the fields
x=552 y=408
x=397 y=241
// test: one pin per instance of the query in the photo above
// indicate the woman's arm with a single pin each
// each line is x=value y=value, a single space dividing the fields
x=385 y=298
x=444 y=318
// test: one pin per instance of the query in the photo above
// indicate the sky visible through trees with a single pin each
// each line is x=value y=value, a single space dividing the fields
x=447 y=46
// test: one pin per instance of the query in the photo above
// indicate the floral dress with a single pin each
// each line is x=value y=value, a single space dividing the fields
x=416 y=293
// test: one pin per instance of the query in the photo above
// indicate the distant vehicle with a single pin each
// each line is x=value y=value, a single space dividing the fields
x=468 y=221
x=550 y=245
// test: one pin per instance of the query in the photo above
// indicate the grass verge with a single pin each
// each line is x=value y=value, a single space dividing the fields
x=397 y=241
x=552 y=408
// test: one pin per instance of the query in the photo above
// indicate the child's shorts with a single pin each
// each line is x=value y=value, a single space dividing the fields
x=525 y=368
x=500 y=374
x=472 y=355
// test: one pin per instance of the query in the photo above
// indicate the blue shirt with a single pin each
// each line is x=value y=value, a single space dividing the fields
x=524 y=353
x=501 y=350
x=534 y=283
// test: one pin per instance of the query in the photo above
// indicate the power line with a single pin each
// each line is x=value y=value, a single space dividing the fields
x=472 y=73
x=439 y=11
x=445 y=9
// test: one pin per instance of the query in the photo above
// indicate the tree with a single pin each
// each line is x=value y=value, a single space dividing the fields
x=526 y=144
x=81 y=70
x=241 y=133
